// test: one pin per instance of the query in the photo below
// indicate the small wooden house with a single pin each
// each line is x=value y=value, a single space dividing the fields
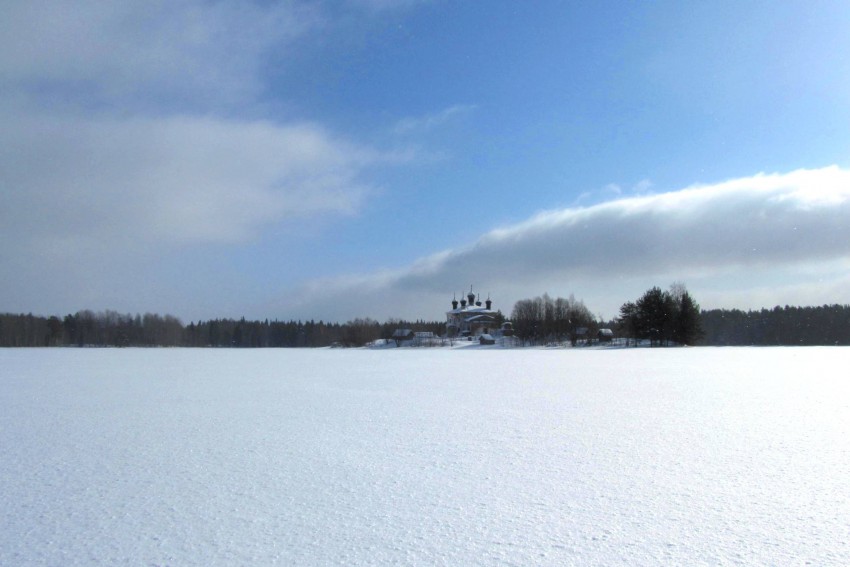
x=605 y=335
x=486 y=339
x=401 y=335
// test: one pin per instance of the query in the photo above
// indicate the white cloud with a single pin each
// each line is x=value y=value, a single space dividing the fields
x=385 y=5
x=432 y=120
x=612 y=191
x=751 y=231
x=173 y=180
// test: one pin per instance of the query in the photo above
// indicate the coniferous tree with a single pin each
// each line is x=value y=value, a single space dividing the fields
x=654 y=309
x=688 y=324
x=663 y=317
x=629 y=322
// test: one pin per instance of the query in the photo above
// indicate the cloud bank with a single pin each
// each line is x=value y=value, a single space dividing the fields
x=766 y=231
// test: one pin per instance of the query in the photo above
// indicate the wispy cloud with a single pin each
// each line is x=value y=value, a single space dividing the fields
x=174 y=180
x=386 y=5
x=750 y=229
x=613 y=191
x=427 y=122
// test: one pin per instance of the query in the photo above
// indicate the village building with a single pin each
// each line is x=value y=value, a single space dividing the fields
x=469 y=318
x=605 y=335
x=402 y=335
x=486 y=339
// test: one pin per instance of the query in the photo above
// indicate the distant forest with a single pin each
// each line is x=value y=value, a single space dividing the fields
x=110 y=328
x=823 y=325
x=806 y=326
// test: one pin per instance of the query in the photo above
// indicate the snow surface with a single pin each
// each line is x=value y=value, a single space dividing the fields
x=425 y=456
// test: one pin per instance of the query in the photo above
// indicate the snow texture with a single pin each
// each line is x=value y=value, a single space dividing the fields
x=693 y=456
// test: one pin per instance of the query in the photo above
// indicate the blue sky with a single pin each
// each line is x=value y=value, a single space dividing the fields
x=331 y=160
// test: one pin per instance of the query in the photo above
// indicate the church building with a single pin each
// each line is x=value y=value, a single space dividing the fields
x=468 y=318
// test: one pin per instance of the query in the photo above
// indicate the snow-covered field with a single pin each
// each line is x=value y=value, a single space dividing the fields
x=425 y=456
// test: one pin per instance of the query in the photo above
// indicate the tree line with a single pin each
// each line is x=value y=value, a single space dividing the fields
x=805 y=326
x=110 y=328
x=661 y=317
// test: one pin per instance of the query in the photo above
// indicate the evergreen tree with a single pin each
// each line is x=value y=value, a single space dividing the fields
x=629 y=321
x=662 y=316
x=688 y=325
